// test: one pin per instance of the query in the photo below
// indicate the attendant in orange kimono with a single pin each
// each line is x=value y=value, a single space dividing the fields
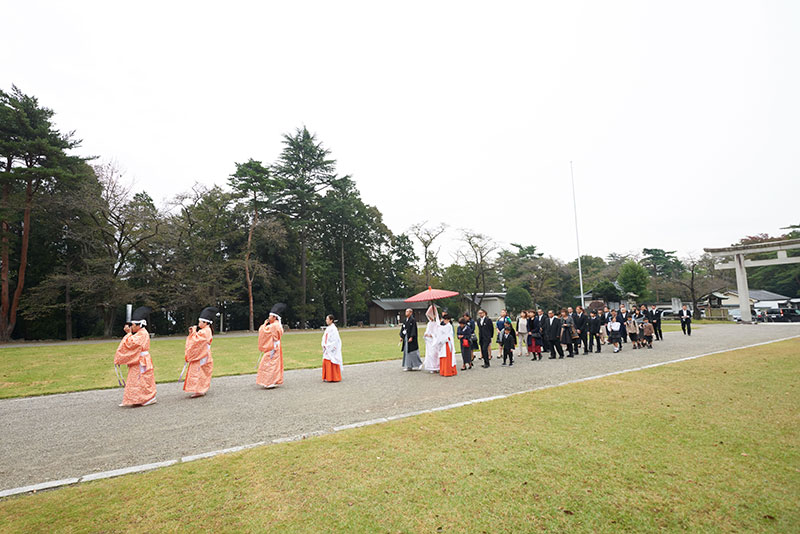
x=270 y=367
x=447 y=351
x=198 y=354
x=134 y=351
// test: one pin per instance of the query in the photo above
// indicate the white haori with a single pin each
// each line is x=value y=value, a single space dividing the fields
x=332 y=345
x=445 y=339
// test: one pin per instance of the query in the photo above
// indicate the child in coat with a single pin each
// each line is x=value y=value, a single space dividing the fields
x=508 y=341
x=647 y=332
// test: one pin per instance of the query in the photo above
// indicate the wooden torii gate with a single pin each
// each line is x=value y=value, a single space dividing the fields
x=741 y=264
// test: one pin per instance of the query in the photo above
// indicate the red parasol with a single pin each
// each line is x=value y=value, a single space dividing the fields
x=431 y=294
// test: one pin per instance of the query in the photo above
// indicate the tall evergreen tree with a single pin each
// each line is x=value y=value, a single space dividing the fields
x=353 y=233
x=33 y=155
x=252 y=183
x=303 y=171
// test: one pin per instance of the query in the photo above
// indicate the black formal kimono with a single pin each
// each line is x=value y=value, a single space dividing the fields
x=410 y=345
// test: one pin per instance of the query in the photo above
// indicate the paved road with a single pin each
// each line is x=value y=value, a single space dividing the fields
x=70 y=435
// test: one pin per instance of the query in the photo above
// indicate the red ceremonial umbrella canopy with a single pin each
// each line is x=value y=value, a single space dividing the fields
x=431 y=294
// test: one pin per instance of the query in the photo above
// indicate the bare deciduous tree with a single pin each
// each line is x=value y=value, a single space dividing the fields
x=700 y=279
x=124 y=221
x=426 y=236
x=476 y=258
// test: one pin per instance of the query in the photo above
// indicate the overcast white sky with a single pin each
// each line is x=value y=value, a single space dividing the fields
x=679 y=116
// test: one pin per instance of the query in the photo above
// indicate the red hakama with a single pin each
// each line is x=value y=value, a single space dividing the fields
x=331 y=372
x=446 y=367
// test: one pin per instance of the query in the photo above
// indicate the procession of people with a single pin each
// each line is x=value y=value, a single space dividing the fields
x=563 y=334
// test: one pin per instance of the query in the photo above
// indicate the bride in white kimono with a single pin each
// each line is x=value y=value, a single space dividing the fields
x=432 y=341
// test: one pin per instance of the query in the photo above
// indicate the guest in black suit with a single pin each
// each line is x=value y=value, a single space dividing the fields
x=686 y=320
x=622 y=318
x=655 y=320
x=485 y=335
x=594 y=330
x=603 y=315
x=552 y=331
x=581 y=322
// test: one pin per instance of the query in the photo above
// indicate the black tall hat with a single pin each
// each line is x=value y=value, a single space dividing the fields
x=209 y=314
x=141 y=314
x=278 y=310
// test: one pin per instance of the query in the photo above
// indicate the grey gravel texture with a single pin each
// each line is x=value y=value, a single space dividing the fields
x=74 y=434
x=238 y=333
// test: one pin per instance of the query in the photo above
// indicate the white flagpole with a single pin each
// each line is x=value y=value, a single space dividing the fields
x=577 y=239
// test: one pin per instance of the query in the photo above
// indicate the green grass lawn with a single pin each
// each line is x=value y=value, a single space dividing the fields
x=708 y=445
x=26 y=371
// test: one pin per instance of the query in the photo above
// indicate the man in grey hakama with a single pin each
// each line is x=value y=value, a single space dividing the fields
x=408 y=333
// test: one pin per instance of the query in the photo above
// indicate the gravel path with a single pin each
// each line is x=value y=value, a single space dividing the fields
x=238 y=333
x=69 y=435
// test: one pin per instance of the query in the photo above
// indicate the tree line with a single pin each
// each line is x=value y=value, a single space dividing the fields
x=78 y=241
x=532 y=279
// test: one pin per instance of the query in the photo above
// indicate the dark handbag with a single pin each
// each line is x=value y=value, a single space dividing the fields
x=474 y=340
x=536 y=335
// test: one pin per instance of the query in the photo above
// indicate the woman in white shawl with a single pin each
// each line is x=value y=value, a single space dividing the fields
x=432 y=342
x=331 y=352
